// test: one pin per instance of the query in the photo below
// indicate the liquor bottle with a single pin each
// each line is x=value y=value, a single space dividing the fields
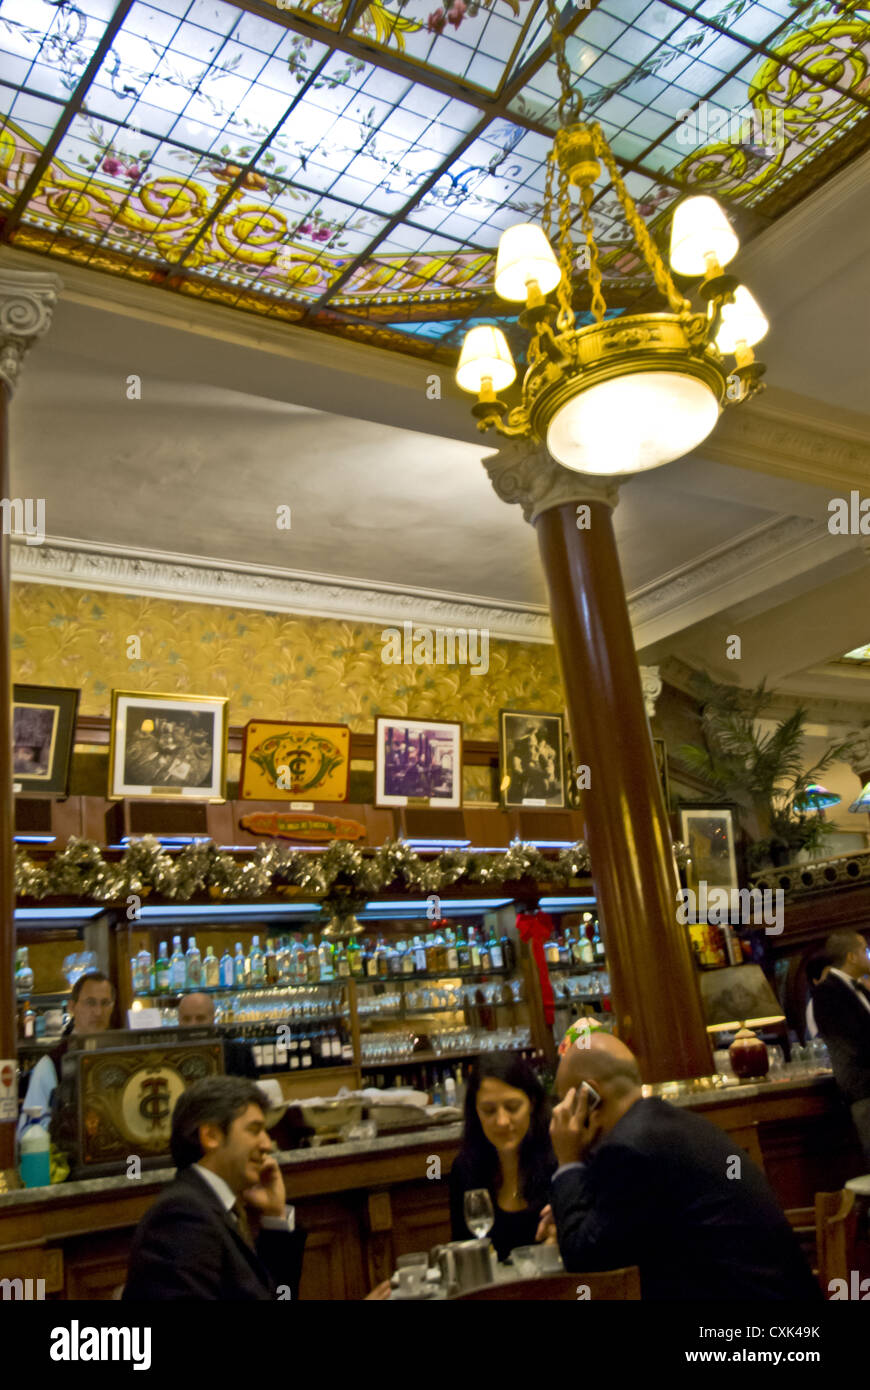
x=355 y=959
x=142 y=972
x=394 y=958
x=408 y=958
x=177 y=966
x=193 y=965
x=551 y=949
x=419 y=956
x=587 y=950
x=312 y=961
x=270 y=962
x=382 y=958
x=258 y=964
x=341 y=961
x=327 y=965
x=305 y=1048
x=293 y=1051
x=161 y=970
x=284 y=962
x=598 y=943
x=565 y=948
x=23 y=975
x=577 y=948
x=451 y=955
x=225 y=968
x=496 y=959
x=485 y=958
x=508 y=954
x=239 y=968
x=29 y=1026
x=473 y=948
x=298 y=963
x=463 y=954
x=211 y=970
x=371 y=961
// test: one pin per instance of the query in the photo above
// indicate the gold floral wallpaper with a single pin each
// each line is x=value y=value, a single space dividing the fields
x=271 y=665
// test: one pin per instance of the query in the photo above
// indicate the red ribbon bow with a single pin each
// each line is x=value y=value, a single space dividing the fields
x=537 y=928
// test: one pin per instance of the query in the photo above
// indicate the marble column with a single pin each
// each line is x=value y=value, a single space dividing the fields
x=27 y=301
x=654 y=985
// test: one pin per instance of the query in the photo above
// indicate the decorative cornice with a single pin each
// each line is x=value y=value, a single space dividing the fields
x=527 y=474
x=27 y=300
x=186 y=579
x=777 y=440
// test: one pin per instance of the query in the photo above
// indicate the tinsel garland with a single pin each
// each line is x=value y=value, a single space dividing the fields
x=342 y=876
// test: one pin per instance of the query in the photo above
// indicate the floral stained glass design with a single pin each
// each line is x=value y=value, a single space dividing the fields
x=351 y=166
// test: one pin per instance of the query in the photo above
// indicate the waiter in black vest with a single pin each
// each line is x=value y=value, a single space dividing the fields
x=841 y=1004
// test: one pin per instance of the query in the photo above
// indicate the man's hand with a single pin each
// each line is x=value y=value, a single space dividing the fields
x=268 y=1196
x=546 y=1233
x=573 y=1131
x=380 y=1292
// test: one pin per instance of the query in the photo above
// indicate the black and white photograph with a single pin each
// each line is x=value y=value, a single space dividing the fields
x=531 y=759
x=43 y=730
x=418 y=760
x=168 y=745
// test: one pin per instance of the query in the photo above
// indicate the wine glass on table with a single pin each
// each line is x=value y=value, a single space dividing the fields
x=479 y=1215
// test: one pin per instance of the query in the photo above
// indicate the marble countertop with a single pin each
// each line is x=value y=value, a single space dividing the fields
x=393 y=1143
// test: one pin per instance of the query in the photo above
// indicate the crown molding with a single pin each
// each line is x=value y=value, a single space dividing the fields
x=786 y=438
x=184 y=578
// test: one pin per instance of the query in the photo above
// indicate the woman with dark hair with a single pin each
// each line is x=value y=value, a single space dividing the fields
x=506 y=1149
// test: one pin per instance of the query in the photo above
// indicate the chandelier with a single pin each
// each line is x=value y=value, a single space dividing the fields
x=627 y=393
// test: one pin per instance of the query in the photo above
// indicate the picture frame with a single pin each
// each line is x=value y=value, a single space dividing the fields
x=313 y=760
x=43 y=735
x=531 y=759
x=168 y=746
x=418 y=762
x=708 y=832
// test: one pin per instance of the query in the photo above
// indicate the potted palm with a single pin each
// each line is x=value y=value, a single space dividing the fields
x=762 y=772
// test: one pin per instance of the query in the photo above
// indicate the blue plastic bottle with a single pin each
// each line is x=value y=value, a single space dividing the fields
x=35 y=1152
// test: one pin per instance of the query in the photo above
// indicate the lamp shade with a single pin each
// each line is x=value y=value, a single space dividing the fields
x=743 y=323
x=632 y=423
x=524 y=254
x=815 y=797
x=862 y=803
x=738 y=994
x=701 y=231
x=485 y=353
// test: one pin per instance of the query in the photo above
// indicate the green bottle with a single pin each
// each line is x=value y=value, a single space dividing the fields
x=161 y=970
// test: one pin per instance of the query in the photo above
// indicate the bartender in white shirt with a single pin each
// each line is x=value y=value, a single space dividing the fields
x=91 y=1004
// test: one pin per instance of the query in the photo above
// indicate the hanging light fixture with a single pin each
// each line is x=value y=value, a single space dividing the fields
x=815 y=797
x=862 y=802
x=625 y=394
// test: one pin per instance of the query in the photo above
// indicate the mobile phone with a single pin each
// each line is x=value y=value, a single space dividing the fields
x=593 y=1099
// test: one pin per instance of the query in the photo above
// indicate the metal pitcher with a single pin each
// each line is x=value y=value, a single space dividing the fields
x=464 y=1264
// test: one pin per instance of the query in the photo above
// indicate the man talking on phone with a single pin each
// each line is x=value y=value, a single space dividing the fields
x=222 y=1229
x=641 y=1182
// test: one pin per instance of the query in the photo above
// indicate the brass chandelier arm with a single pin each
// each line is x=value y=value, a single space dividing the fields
x=647 y=247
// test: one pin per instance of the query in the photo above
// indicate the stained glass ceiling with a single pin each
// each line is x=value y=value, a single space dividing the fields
x=349 y=166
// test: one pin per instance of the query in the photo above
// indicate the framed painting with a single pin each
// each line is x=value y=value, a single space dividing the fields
x=531 y=752
x=43 y=733
x=168 y=746
x=284 y=760
x=708 y=831
x=418 y=762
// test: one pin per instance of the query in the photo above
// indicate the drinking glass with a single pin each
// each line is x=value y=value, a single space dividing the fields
x=479 y=1215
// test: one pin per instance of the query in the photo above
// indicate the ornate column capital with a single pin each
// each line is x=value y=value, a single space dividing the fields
x=526 y=473
x=27 y=300
x=858 y=752
x=651 y=683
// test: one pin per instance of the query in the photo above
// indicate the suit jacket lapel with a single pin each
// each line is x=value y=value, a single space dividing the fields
x=262 y=1273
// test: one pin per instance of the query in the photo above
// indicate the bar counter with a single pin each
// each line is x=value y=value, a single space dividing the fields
x=366 y=1202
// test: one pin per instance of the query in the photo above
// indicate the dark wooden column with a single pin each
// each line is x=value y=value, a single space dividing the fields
x=654 y=985
x=26 y=304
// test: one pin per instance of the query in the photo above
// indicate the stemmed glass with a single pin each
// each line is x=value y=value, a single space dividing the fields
x=479 y=1215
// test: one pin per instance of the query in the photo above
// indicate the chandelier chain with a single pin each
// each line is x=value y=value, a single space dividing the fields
x=599 y=307
x=547 y=210
x=565 y=319
x=647 y=247
x=569 y=104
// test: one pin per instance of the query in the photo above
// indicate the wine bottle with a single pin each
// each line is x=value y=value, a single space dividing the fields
x=193 y=965
x=211 y=969
x=177 y=966
x=496 y=958
x=451 y=954
x=239 y=967
x=258 y=964
x=161 y=970
x=463 y=954
x=225 y=969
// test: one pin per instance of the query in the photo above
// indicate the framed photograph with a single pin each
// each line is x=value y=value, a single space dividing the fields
x=708 y=831
x=418 y=762
x=531 y=752
x=43 y=733
x=281 y=761
x=168 y=746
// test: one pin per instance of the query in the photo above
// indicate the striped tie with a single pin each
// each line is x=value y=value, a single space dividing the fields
x=243 y=1224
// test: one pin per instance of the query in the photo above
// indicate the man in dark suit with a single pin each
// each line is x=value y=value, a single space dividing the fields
x=645 y=1183
x=841 y=1004
x=222 y=1229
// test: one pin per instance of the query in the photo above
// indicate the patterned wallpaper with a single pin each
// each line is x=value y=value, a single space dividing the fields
x=271 y=665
